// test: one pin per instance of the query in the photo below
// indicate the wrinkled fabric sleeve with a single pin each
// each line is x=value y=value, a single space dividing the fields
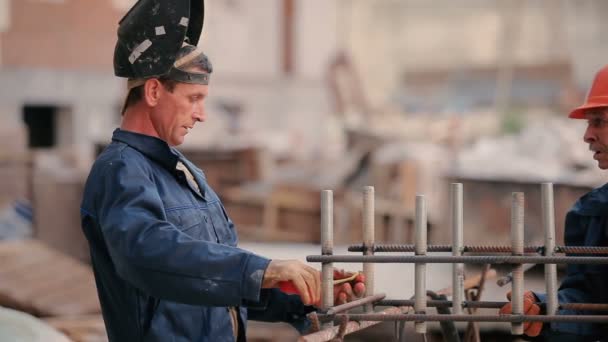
x=568 y=295
x=276 y=306
x=157 y=258
x=572 y=290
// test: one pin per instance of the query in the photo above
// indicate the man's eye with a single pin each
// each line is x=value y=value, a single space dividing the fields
x=597 y=122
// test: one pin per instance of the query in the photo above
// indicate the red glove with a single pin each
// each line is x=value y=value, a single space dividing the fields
x=348 y=286
x=531 y=329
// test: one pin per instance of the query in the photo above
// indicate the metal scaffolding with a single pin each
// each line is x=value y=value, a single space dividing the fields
x=334 y=322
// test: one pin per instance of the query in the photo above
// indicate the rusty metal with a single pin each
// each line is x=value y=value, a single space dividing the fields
x=517 y=255
x=473 y=294
x=383 y=317
x=341 y=329
x=396 y=248
x=581 y=250
x=491 y=304
x=356 y=303
x=351 y=327
x=448 y=328
x=509 y=277
x=472 y=333
x=315 y=324
x=470 y=259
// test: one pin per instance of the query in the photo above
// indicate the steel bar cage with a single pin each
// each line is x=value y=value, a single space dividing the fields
x=517 y=254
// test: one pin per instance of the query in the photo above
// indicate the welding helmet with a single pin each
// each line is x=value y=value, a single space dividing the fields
x=156 y=38
x=597 y=96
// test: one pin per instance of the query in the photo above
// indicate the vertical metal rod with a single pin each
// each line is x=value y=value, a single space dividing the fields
x=548 y=210
x=327 y=248
x=368 y=241
x=420 y=269
x=517 y=243
x=457 y=247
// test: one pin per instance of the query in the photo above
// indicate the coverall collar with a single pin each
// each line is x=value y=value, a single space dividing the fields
x=152 y=147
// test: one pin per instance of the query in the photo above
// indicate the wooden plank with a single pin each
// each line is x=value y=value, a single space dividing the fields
x=39 y=280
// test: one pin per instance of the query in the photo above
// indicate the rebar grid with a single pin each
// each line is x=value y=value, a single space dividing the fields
x=491 y=304
x=382 y=317
x=396 y=248
x=467 y=259
x=519 y=255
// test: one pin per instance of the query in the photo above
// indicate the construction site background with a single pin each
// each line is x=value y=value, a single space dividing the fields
x=404 y=95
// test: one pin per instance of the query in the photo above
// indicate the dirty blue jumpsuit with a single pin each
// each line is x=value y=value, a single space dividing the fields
x=586 y=225
x=164 y=255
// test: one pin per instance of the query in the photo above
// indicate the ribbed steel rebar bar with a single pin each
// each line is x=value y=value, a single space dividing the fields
x=467 y=259
x=327 y=248
x=458 y=244
x=352 y=326
x=475 y=318
x=491 y=304
x=356 y=303
x=517 y=245
x=368 y=240
x=420 y=269
x=548 y=219
x=396 y=248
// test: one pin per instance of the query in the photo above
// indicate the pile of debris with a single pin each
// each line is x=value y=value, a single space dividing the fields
x=548 y=149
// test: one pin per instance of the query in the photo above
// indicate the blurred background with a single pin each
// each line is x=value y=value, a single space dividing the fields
x=306 y=95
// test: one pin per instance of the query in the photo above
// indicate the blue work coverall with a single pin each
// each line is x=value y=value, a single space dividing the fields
x=586 y=225
x=164 y=253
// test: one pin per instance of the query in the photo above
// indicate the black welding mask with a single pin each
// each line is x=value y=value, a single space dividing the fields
x=156 y=38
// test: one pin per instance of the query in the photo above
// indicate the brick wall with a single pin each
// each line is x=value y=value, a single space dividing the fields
x=72 y=34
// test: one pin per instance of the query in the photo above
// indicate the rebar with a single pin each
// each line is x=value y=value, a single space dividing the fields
x=368 y=240
x=548 y=217
x=467 y=259
x=397 y=248
x=351 y=326
x=457 y=243
x=517 y=245
x=356 y=303
x=491 y=304
x=327 y=248
x=420 y=269
x=519 y=255
x=476 y=318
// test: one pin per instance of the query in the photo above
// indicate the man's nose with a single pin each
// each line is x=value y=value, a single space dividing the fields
x=590 y=135
x=199 y=113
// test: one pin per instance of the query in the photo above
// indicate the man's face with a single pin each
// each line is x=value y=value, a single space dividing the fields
x=178 y=111
x=596 y=135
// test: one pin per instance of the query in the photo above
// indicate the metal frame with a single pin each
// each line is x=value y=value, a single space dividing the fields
x=398 y=310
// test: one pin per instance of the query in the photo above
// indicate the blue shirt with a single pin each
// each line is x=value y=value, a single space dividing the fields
x=165 y=257
x=586 y=225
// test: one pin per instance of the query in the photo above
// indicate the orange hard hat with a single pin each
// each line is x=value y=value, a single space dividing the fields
x=597 y=96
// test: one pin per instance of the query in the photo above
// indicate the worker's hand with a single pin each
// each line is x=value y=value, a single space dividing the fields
x=305 y=279
x=350 y=289
x=531 y=329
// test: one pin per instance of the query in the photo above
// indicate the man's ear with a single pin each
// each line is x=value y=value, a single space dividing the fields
x=152 y=91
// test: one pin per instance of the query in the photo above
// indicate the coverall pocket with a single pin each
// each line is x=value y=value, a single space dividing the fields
x=188 y=220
